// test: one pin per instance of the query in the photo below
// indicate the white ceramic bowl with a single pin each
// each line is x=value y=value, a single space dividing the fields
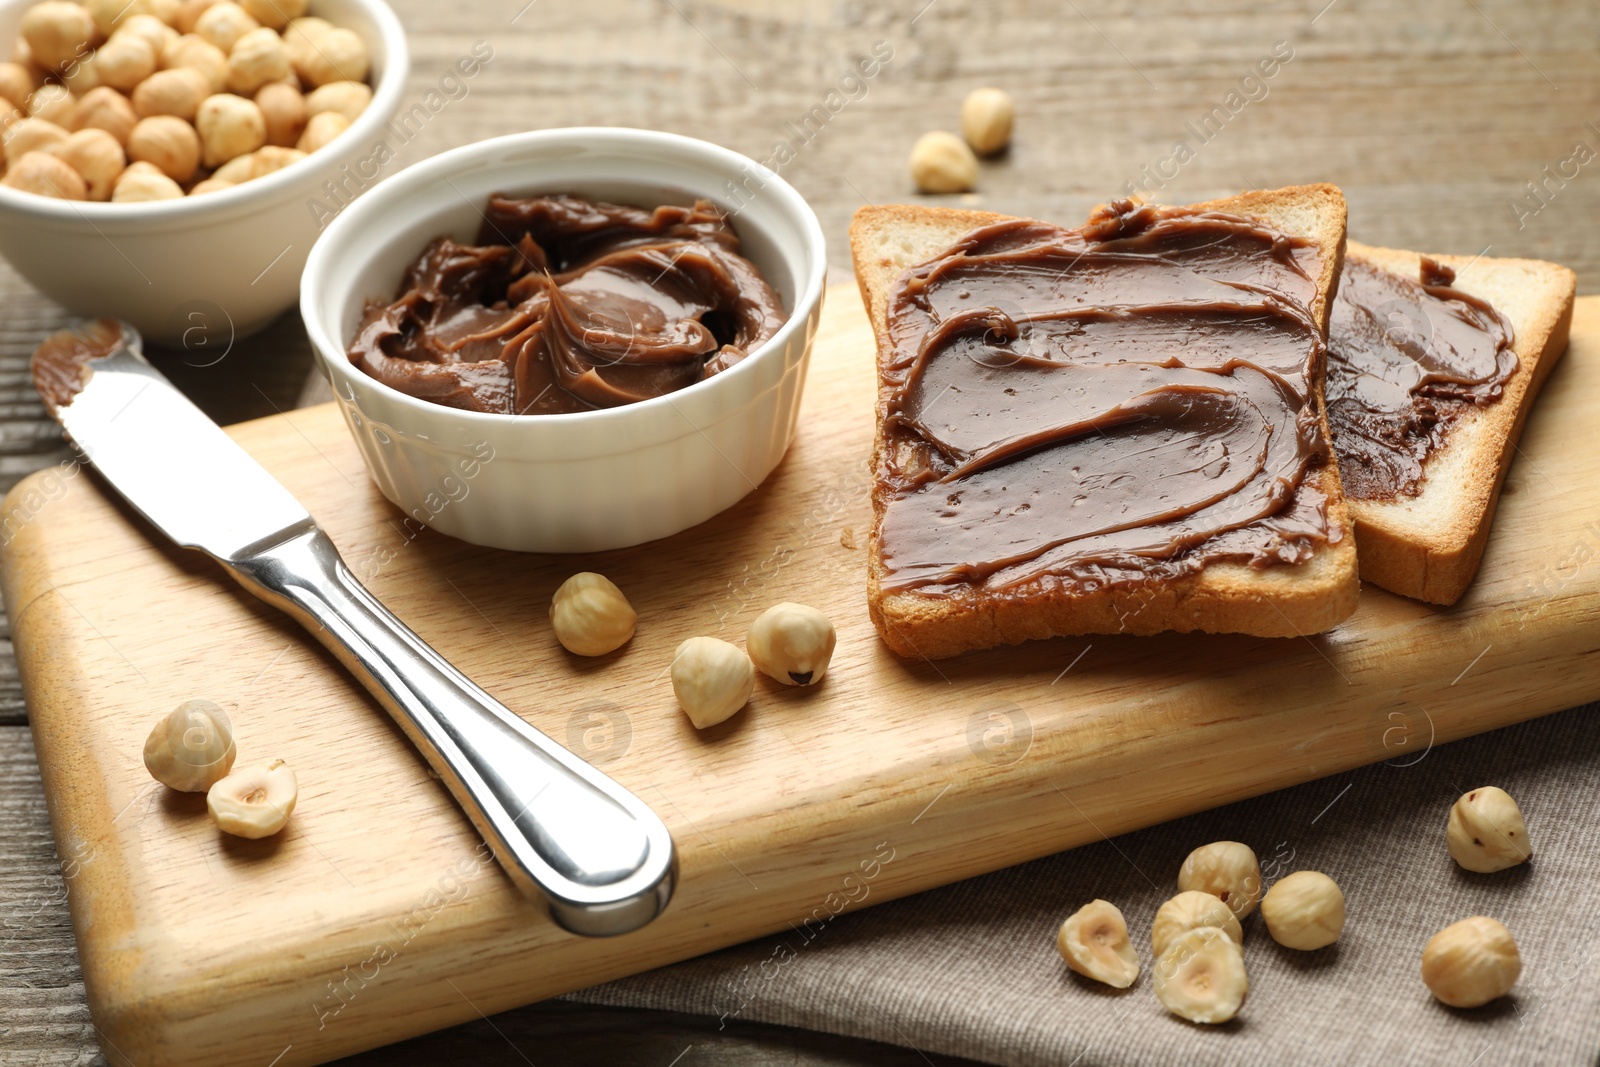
x=595 y=479
x=204 y=270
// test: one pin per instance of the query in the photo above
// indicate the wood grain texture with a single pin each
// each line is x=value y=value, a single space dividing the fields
x=44 y=1029
x=377 y=914
x=1432 y=116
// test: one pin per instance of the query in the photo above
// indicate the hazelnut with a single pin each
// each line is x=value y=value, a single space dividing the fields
x=197 y=53
x=82 y=75
x=349 y=99
x=268 y=158
x=274 y=13
x=57 y=32
x=105 y=109
x=169 y=143
x=155 y=33
x=284 y=111
x=1486 y=832
x=188 y=12
x=1469 y=963
x=791 y=643
x=175 y=92
x=337 y=55
x=590 y=615
x=223 y=24
x=237 y=170
x=941 y=162
x=986 y=116
x=43 y=173
x=16 y=82
x=711 y=679
x=53 y=103
x=308 y=27
x=31 y=135
x=10 y=115
x=303 y=35
x=125 y=61
x=96 y=156
x=229 y=126
x=1201 y=976
x=1094 y=942
x=254 y=801
x=191 y=747
x=259 y=57
x=1227 y=870
x=1189 y=911
x=1304 y=910
x=321 y=129
x=144 y=181
x=111 y=15
x=210 y=185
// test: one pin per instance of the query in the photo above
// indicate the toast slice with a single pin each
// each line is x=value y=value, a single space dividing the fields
x=1277 y=600
x=1428 y=546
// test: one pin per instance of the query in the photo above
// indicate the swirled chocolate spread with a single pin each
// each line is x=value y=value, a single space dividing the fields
x=60 y=365
x=1406 y=357
x=1072 y=409
x=565 y=304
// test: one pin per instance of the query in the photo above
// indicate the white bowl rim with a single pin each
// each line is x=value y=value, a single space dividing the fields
x=385 y=99
x=333 y=352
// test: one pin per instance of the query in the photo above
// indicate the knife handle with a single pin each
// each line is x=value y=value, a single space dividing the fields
x=603 y=859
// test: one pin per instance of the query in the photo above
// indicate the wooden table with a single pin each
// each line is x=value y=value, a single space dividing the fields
x=1434 y=117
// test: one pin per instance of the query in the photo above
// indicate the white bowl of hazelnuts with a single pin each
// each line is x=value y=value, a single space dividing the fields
x=171 y=162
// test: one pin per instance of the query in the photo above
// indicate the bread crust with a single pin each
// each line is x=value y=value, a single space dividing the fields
x=1428 y=547
x=1280 y=600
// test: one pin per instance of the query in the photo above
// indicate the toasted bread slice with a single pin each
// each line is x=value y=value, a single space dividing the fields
x=1428 y=546
x=1280 y=600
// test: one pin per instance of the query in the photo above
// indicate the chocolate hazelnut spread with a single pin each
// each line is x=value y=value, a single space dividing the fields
x=60 y=364
x=565 y=305
x=1069 y=409
x=1406 y=357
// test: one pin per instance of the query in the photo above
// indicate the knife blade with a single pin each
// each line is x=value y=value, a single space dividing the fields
x=598 y=854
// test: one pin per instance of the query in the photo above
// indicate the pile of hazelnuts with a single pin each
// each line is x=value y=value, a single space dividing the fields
x=135 y=100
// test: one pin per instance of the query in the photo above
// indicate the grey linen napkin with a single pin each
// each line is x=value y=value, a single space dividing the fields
x=972 y=970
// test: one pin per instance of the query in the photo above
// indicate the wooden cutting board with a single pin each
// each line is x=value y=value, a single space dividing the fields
x=378 y=914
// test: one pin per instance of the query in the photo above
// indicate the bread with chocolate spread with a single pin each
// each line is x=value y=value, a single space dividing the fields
x=1113 y=429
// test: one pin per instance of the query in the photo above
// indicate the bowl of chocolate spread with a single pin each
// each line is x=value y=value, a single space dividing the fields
x=569 y=340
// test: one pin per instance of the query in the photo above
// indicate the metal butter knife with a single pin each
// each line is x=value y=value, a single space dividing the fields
x=603 y=859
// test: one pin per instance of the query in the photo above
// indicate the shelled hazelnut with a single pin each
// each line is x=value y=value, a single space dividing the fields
x=155 y=33
x=1471 y=962
x=274 y=13
x=31 y=135
x=242 y=88
x=321 y=129
x=257 y=58
x=53 y=103
x=223 y=24
x=346 y=98
x=96 y=156
x=16 y=82
x=199 y=54
x=44 y=174
x=229 y=126
x=177 y=92
x=105 y=109
x=1094 y=942
x=145 y=181
x=338 y=55
x=57 y=32
x=283 y=110
x=168 y=143
x=1227 y=870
